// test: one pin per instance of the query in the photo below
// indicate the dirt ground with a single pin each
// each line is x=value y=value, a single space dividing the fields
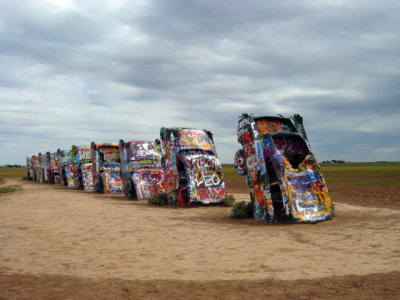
x=60 y=243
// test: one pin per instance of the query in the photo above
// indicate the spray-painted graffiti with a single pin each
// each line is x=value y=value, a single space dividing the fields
x=106 y=168
x=29 y=168
x=85 y=154
x=139 y=151
x=193 y=171
x=36 y=166
x=54 y=177
x=200 y=160
x=50 y=167
x=142 y=174
x=70 y=174
x=82 y=162
x=147 y=182
x=274 y=125
x=205 y=183
x=194 y=139
x=283 y=175
x=44 y=167
x=240 y=165
x=87 y=179
x=69 y=169
x=62 y=162
x=112 y=182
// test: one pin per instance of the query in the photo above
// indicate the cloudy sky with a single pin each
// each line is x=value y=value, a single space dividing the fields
x=72 y=72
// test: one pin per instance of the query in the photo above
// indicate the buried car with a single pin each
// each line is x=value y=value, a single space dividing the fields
x=283 y=174
x=44 y=167
x=106 y=168
x=35 y=166
x=67 y=169
x=54 y=170
x=62 y=160
x=82 y=161
x=192 y=170
x=29 y=168
x=142 y=174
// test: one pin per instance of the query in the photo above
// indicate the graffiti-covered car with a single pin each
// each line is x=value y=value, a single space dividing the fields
x=36 y=167
x=283 y=174
x=82 y=161
x=106 y=168
x=62 y=160
x=142 y=174
x=44 y=167
x=192 y=170
x=68 y=171
x=29 y=168
x=54 y=171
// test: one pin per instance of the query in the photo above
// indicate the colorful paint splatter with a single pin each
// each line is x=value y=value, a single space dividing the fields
x=69 y=169
x=142 y=174
x=193 y=171
x=44 y=167
x=62 y=161
x=106 y=168
x=82 y=161
x=54 y=176
x=36 y=165
x=283 y=174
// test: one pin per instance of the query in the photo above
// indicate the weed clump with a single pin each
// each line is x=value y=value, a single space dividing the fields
x=229 y=200
x=160 y=199
x=7 y=189
x=242 y=210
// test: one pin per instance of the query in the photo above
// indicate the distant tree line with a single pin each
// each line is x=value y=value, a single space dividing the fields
x=333 y=161
x=12 y=166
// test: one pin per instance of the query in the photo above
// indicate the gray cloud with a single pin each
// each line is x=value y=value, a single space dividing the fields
x=73 y=72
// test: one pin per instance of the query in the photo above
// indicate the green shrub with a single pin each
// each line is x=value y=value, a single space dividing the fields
x=242 y=210
x=229 y=200
x=7 y=189
x=250 y=209
x=160 y=199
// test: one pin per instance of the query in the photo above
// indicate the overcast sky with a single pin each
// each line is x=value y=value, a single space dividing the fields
x=72 y=72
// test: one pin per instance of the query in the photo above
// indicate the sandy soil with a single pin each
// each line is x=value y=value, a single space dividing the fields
x=57 y=242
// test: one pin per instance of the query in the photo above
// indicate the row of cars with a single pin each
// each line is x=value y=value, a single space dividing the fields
x=281 y=171
x=186 y=168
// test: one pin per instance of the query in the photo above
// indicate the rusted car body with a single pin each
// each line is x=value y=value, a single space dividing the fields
x=82 y=161
x=192 y=170
x=281 y=171
x=142 y=173
x=106 y=168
